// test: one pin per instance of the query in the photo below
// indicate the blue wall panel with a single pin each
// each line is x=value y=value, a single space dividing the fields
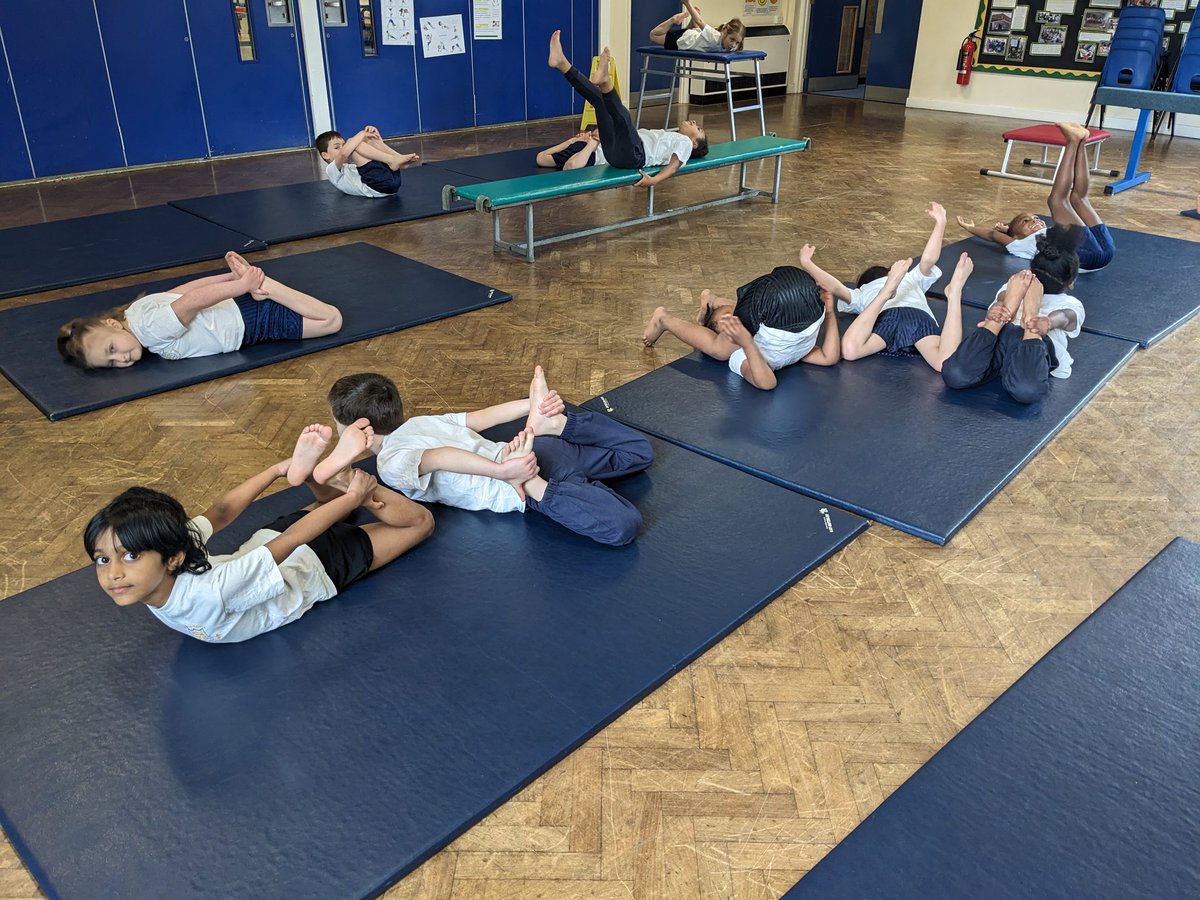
x=153 y=81
x=444 y=82
x=58 y=69
x=260 y=105
x=500 y=72
x=14 y=158
x=644 y=16
x=585 y=43
x=547 y=94
x=371 y=90
x=894 y=49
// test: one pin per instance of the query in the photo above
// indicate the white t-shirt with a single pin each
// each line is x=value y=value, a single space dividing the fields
x=779 y=348
x=218 y=329
x=347 y=180
x=910 y=292
x=1026 y=247
x=245 y=593
x=701 y=40
x=1058 y=337
x=659 y=145
x=400 y=461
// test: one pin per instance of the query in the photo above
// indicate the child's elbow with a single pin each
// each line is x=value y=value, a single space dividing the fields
x=850 y=350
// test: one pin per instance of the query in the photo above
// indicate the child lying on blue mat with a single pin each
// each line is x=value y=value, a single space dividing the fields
x=146 y=550
x=364 y=166
x=217 y=314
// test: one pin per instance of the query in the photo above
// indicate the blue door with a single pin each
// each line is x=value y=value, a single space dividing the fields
x=249 y=104
x=834 y=46
x=153 y=81
x=894 y=47
x=445 y=84
x=500 y=73
x=57 y=67
x=644 y=16
x=379 y=90
x=14 y=157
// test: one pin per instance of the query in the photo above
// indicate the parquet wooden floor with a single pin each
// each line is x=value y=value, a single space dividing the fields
x=740 y=773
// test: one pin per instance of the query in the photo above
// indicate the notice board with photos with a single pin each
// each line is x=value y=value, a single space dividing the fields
x=1062 y=38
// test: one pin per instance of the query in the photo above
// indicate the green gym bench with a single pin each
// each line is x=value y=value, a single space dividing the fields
x=494 y=196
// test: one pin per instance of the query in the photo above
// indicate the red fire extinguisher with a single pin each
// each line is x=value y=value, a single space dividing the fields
x=966 y=58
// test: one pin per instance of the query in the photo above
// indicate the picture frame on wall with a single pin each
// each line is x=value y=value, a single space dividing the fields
x=1085 y=53
x=1097 y=20
x=1000 y=22
x=995 y=46
x=1053 y=34
x=1041 y=17
x=1015 y=52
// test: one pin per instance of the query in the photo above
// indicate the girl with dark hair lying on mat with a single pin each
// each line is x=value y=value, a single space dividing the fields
x=146 y=550
x=1069 y=205
x=217 y=314
x=1024 y=337
x=775 y=322
x=620 y=144
x=893 y=316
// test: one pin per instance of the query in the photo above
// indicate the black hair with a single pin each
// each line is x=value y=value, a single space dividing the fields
x=701 y=149
x=1057 y=262
x=786 y=298
x=143 y=519
x=874 y=273
x=322 y=140
x=367 y=395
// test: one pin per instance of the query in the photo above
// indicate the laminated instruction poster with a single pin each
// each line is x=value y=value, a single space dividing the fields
x=442 y=36
x=399 y=26
x=488 y=16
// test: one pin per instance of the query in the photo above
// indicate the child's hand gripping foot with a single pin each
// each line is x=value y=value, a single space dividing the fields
x=1002 y=311
x=356 y=439
x=707 y=305
x=546 y=408
x=1036 y=325
x=310 y=446
x=362 y=485
x=518 y=464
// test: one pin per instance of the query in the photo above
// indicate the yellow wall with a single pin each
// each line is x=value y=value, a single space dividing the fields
x=944 y=23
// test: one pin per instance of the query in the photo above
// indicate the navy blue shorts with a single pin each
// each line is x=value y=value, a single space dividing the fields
x=671 y=41
x=266 y=320
x=561 y=157
x=344 y=550
x=901 y=327
x=1098 y=248
x=379 y=177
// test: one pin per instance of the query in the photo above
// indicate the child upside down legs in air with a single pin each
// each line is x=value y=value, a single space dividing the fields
x=893 y=316
x=147 y=551
x=1024 y=337
x=776 y=322
x=1069 y=205
x=217 y=314
x=555 y=466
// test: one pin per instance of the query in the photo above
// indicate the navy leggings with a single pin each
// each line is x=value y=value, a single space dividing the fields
x=619 y=140
x=1024 y=366
x=591 y=449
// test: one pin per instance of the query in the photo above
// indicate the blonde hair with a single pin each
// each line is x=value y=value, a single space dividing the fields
x=735 y=27
x=71 y=335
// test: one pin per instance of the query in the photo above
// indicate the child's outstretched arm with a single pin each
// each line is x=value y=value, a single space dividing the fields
x=234 y=503
x=933 y=246
x=666 y=172
x=694 y=13
x=820 y=276
x=464 y=462
x=829 y=352
x=203 y=282
x=195 y=301
x=998 y=233
x=755 y=369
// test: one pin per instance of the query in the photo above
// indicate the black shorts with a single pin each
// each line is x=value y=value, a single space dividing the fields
x=561 y=157
x=379 y=177
x=671 y=41
x=344 y=550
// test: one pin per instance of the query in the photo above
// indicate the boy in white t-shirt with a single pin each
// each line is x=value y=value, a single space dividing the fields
x=776 y=322
x=364 y=165
x=615 y=141
x=555 y=466
x=1023 y=339
x=892 y=315
x=698 y=36
x=147 y=551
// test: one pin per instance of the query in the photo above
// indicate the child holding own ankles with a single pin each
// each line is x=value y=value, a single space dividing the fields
x=217 y=314
x=1069 y=205
x=1024 y=337
x=892 y=315
x=147 y=551
x=364 y=165
x=615 y=141
x=775 y=322
x=697 y=35
x=555 y=466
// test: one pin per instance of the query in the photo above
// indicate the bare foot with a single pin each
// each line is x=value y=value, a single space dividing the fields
x=355 y=441
x=600 y=76
x=1003 y=311
x=1031 y=307
x=237 y=265
x=962 y=271
x=545 y=408
x=313 y=441
x=520 y=445
x=655 y=327
x=558 y=59
x=1073 y=130
x=403 y=161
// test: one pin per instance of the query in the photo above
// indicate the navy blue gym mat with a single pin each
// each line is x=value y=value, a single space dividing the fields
x=1143 y=295
x=92 y=248
x=377 y=291
x=1080 y=780
x=882 y=437
x=330 y=757
x=294 y=211
x=493 y=166
x=1190 y=213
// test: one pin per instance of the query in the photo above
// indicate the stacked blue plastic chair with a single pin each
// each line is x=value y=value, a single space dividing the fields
x=1187 y=69
x=1136 y=50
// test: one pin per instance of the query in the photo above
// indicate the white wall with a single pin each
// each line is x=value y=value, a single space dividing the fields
x=944 y=23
